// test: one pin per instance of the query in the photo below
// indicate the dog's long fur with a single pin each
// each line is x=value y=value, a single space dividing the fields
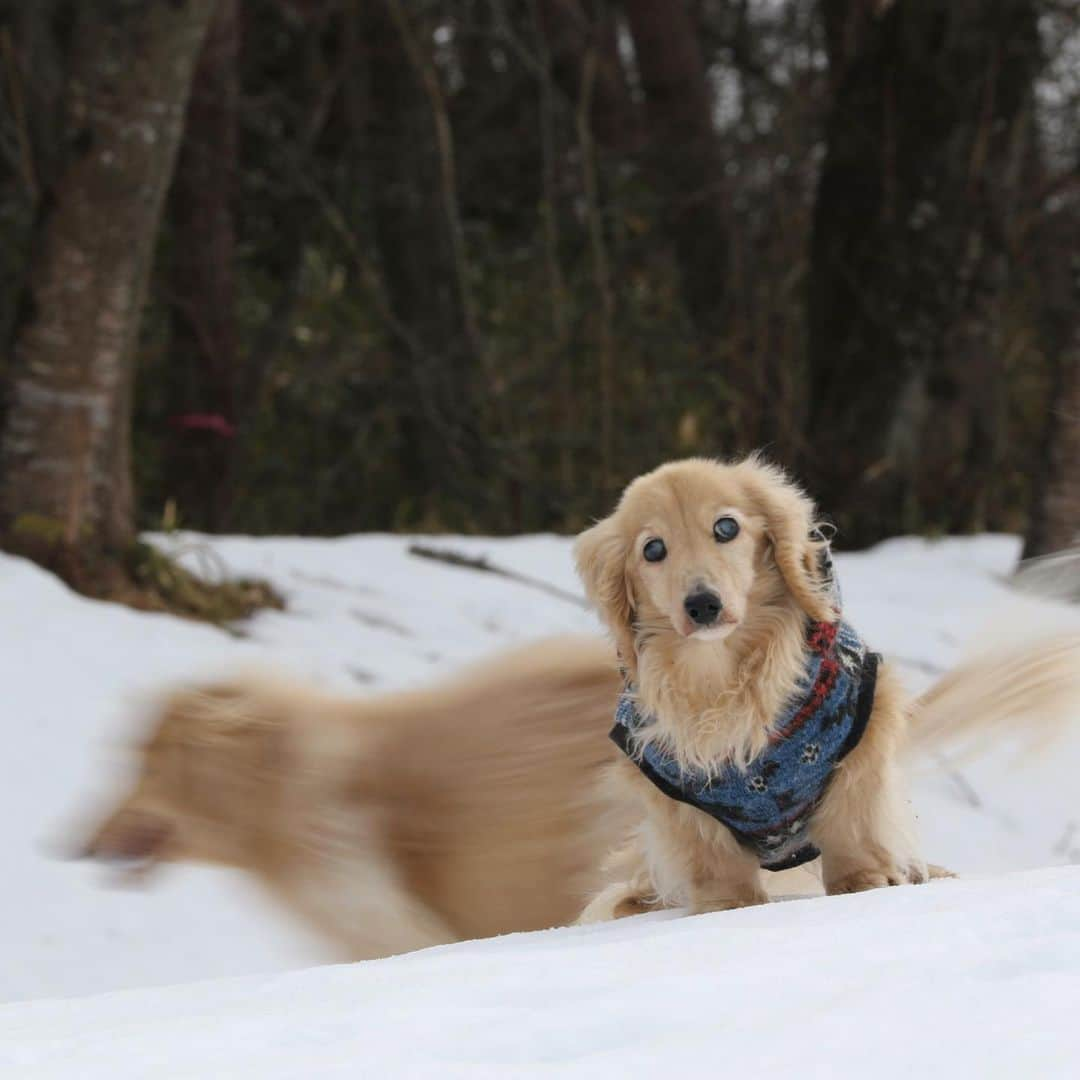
x=716 y=693
x=1027 y=692
x=465 y=810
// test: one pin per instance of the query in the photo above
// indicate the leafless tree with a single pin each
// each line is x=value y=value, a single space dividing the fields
x=682 y=147
x=65 y=454
x=930 y=112
x=203 y=370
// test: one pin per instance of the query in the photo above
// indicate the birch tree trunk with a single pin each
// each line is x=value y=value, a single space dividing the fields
x=65 y=458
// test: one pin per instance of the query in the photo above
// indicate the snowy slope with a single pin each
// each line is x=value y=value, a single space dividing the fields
x=365 y=615
x=955 y=979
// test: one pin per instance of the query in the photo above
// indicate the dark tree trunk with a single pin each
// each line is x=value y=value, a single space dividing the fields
x=571 y=35
x=847 y=25
x=1055 y=513
x=683 y=151
x=1054 y=521
x=414 y=214
x=65 y=462
x=907 y=259
x=203 y=363
x=33 y=85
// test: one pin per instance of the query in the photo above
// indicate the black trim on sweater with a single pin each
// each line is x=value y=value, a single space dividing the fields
x=864 y=707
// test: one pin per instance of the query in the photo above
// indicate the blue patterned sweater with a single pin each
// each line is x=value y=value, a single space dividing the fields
x=768 y=804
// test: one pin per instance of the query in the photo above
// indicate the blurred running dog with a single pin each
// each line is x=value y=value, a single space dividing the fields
x=465 y=810
x=759 y=730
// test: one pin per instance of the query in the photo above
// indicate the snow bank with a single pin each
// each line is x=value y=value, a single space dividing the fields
x=365 y=615
x=973 y=978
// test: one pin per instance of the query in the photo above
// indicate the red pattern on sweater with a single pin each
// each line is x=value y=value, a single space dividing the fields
x=822 y=640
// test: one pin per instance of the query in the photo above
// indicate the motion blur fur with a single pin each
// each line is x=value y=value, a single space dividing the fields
x=466 y=809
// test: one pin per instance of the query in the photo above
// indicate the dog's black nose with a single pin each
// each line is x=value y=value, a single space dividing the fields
x=703 y=607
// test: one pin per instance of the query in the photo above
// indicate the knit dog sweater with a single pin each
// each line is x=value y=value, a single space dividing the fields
x=768 y=804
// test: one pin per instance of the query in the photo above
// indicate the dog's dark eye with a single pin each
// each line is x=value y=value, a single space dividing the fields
x=654 y=551
x=725 y=529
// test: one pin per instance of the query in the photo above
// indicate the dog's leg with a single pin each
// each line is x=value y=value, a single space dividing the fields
x=864 y=826
x=632 y=893
x=866 y=834
x=697 y=861
x=680 y=858
x=727 y=892
x=733 y=881
x=364 y=907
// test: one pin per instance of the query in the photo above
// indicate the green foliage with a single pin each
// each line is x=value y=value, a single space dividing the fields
x=36 y=529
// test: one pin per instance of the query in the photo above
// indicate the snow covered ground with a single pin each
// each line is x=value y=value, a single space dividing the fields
x=972 y=960
x=957 y=979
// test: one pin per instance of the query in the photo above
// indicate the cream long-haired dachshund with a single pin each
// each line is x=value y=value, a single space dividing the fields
x=759 y=731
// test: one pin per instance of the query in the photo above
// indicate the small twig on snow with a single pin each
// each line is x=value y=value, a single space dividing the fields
x=485 y=566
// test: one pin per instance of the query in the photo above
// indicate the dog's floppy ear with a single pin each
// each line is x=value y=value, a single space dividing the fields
x=797 y=542
x=600 y=553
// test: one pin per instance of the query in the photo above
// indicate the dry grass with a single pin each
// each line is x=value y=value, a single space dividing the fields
x=143 y=577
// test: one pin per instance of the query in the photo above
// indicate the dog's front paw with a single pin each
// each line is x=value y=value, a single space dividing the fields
x=730 y=905
x=700 y=904
x=863 y=880
x=615 y=902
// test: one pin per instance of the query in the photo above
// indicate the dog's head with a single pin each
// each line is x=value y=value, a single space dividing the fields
x=693 y=542
x=203 y=779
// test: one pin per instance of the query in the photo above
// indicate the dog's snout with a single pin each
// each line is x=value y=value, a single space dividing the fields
x=703 y=607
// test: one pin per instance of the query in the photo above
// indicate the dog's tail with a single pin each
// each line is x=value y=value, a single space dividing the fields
x=1030 y=692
